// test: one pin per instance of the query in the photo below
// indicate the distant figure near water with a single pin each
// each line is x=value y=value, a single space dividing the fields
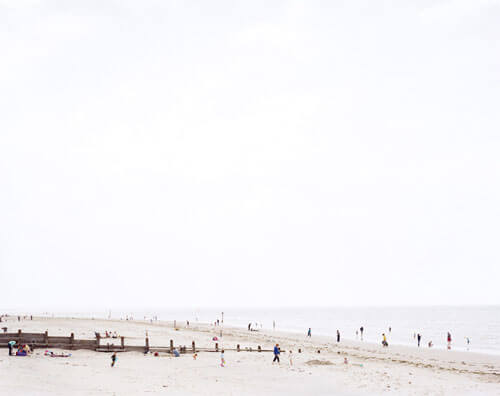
x=419 y=338
x=384 y=340
x=361 y=329
x=309 y=332
x=338 y=336
x=448 y=339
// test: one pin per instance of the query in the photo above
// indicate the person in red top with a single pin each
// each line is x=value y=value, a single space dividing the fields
x=449 y=340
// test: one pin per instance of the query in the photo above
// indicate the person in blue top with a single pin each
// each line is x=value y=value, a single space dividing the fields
x=276 y=353
x=309 y=332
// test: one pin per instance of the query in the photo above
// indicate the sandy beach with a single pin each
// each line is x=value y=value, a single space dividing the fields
x=371 y=369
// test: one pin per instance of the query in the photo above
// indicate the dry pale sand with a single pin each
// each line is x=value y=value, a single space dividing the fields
x=397 y=369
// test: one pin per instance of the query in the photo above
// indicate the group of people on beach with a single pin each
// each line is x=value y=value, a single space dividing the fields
x=109 y=334
x=256 y=327
x=22 y=350
x=385 y=342
x=277 y=353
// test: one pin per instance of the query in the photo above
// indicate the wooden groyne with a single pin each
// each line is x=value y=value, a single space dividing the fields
x=44 y=340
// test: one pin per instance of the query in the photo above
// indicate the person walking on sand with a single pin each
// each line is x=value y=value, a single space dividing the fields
x=276 y=354
x=448 y=339
x=338 y=336
x=222 y=360
x=113 y=359
x=290 y=358
x=309 y=332
x=419 y=338
x=361 y=329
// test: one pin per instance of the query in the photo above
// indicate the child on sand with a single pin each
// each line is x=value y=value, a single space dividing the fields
x=113 y=359
x=222 y=360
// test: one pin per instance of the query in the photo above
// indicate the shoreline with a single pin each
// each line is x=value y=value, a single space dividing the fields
x=325 y=337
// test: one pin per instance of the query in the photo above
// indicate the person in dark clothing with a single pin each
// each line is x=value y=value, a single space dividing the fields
x=276 y=353
x=361 y=329
x=309 y=332
x=113 y=359
x=338 y=336
x=419 y=337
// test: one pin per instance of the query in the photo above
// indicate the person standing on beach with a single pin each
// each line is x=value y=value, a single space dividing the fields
x=276 y=354
x=290 y=357
x=309 y=332
x=113 y=359
x=11 y=344
x=419 y=337
x=361 y=329
x=338 y=336
x=448 y=339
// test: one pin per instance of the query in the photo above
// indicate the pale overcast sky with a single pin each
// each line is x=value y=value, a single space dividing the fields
x=258 y=153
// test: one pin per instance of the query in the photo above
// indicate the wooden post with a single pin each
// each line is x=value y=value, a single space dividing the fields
x=71 y=340
x=193 y=346
x=171 y=346
x=123 y=342
x=238 y=347
x=259 y=348
x=46 y=338
x=147 y=344
x=216 y=347
x=97 y=340
x=19 y=333
x=107 y=345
